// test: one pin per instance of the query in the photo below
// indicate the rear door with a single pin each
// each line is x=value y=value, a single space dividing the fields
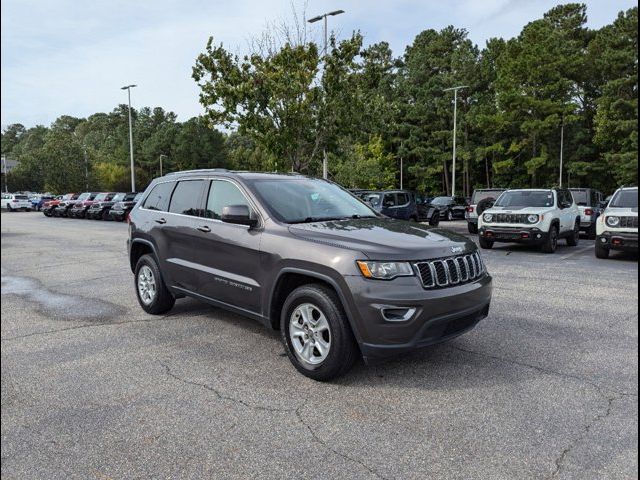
x=228 y=255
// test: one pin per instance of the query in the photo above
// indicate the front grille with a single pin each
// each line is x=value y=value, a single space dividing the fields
x=447 y=272
x=628 y=222
x=510 y=218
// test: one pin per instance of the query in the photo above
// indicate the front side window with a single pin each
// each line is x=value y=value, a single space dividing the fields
x=158 y=198
x=525 y=198
x=299 y=200
x=442 y=201
x=223 y=194
x=373 y=199
x=186 y=198
x=403 y=199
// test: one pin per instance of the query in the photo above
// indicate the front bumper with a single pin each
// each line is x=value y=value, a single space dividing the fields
x=622 y=241
x=526 y=235
x=433 y=316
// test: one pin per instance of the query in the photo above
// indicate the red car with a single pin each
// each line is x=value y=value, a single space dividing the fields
x=49 y=206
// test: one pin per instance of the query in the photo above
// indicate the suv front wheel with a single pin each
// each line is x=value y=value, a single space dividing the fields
x=152 y=293
x=316 y=333
x=551 y=243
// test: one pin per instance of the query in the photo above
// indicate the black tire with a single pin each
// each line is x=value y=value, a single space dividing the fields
x=343 y=350
x=104 y=215
x=163 y=300
x=485 y=243
x=484 y=204
x=574 y=239
x=9 y=209
x=551 y=243
x=472 y=227
x=28 y=210
x=601 y=251
x=435 y=219
x=591 y=233
x=413 y=219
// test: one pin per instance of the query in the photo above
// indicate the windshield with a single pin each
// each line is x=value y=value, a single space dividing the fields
x=480 y=195
x=625 y=199
x=581 y=197
x=118 y=197
x=525 y=198
x=84 y=196
x=308 y=200
x=20 y=197
x=442 y=201
x=373 y=199
x=138 y=197
x=100 y=197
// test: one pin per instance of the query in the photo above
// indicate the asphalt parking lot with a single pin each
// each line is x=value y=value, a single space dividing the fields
x=92 y=387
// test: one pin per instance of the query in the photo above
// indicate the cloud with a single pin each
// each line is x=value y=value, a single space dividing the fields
x=72 y=57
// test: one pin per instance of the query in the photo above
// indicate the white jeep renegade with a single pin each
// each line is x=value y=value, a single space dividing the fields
x=617 y=227
x=531 y=216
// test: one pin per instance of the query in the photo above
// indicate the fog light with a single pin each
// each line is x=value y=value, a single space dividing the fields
x=617 y=241
x=539 y=236
x=603 y=240
x=525 y=235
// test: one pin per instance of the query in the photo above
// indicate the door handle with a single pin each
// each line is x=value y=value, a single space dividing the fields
x=161 y=221
x=204 y=229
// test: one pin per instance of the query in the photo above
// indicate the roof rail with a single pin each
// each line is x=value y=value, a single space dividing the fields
x=201 y=170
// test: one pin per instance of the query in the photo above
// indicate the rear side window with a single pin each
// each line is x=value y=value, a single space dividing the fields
x=222 y=194
x=403 y=199
x=159 y=197
x=187 y=198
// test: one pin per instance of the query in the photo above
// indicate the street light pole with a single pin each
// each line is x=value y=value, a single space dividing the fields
x=325 y=168
x=133 y=172
x=4 y=166
x=455 y=119
x=161 y=155
x=561 y=148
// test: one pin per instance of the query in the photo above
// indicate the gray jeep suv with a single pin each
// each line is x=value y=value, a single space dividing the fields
x=304 y=256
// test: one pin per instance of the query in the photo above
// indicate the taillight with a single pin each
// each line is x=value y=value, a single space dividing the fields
x=15 y=201
x=470 y=209
x=588 y=211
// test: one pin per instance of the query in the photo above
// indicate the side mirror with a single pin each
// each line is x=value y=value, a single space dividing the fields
x=238 y=214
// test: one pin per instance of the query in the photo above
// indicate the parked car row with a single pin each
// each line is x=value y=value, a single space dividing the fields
x=92 y=205
x=541 y=217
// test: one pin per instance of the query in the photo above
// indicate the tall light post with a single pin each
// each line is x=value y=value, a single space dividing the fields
x=325 y=171
x=4 y=167
x=161 y=155
x=133 y=172
x=561 y=148
x=455 y=114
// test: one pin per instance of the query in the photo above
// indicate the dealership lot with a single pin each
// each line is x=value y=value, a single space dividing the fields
x=92 y=387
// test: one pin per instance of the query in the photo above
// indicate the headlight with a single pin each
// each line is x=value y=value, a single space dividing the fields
x=385 y=270
x=613 y=221
x=533 y=218
x=487 y=217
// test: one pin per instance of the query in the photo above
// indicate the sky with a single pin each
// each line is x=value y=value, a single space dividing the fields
x=71 y=57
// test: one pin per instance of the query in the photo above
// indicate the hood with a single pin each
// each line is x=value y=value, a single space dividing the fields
x=524 y=210
x=386 y=238
x=622 y=212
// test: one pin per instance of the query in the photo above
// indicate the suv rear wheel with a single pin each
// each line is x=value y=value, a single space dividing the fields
x=152 y=293
x=316 y=333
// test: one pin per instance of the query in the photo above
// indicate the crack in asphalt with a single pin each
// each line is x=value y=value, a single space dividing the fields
x=324 y=444
x=101 y=324
x=299 y=417
x=601 y=391
x=547 y=371
x=559 y=461
x=222 y=396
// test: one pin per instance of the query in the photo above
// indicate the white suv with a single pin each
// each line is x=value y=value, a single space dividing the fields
x=617 y=227
x=14 y=202
x=531 y=216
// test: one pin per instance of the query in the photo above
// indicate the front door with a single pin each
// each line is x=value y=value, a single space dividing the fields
x=229 y=254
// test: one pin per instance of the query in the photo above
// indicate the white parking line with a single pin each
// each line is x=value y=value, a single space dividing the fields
x=576 y=252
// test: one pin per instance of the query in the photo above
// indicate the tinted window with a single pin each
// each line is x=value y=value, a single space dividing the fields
x=403 y=199
x=442 y=201
x=373 y=199
x=389 y=200
x=223 y=194
x=186 y=198
x=159 y=197
x=480 y=195
x=100 y=197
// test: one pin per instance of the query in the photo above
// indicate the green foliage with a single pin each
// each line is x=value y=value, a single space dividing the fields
x=367 y=166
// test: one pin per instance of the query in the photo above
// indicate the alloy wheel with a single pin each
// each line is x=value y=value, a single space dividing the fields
x=310 y=334
x=146 y=285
